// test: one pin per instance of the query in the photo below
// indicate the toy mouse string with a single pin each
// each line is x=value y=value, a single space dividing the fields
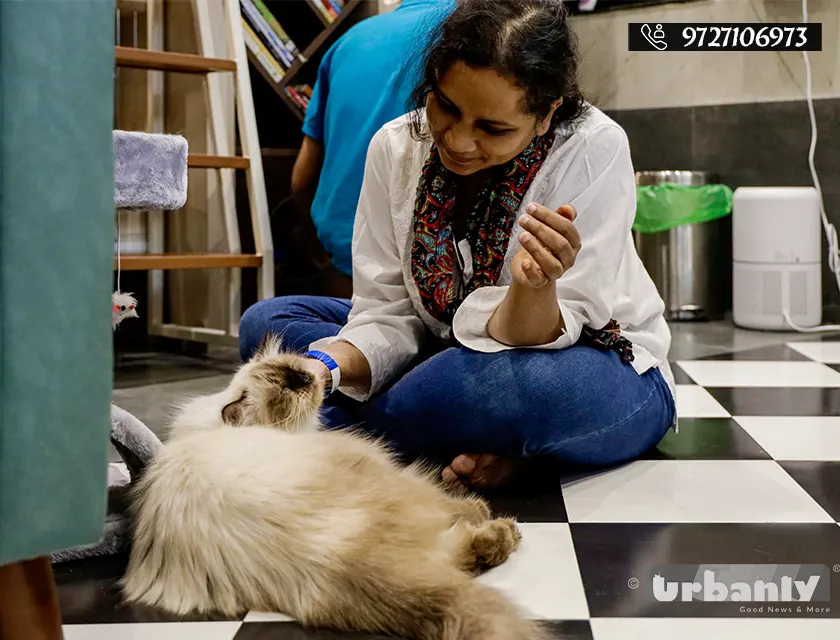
x=123 y=305
x=119 y=246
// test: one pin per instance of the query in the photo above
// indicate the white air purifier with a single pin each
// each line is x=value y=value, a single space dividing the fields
x=776 y=253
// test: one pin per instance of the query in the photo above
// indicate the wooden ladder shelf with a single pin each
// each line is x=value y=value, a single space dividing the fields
x=132 y=58
x=210 y=65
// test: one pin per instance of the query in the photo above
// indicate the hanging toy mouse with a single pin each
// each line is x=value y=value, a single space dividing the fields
x=123 y=306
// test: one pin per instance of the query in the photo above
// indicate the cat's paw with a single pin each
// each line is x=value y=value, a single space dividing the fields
x=494 y=542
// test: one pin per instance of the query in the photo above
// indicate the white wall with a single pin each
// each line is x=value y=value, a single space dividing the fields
x=618 y=79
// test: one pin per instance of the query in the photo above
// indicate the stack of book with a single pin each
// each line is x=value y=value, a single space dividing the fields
x=266 y=39
x=300 y=94
x=329 y=8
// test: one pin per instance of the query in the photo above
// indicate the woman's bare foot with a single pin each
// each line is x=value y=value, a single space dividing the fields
x=480 y=470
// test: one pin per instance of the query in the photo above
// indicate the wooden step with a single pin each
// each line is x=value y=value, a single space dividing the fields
x=135 y=58
x=204 y=161
x=176 y=261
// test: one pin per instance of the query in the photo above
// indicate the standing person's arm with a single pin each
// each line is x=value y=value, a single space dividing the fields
x=305 y=176
x=307 y=169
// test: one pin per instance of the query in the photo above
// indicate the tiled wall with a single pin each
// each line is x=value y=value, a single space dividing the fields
x=740 y=115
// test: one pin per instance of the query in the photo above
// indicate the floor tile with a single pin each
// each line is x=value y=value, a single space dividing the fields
x=692 y=491
x=719 y=629
x=293 y=631
x=140 y=369
x=529 y=505
x=570 y=630
x=823 y=337
x=542 y=576
x=563 y=630
x=153 y=631
x=827 y=352
x=153 y=404
x=89 y=594
x=697 y=402
x=691 y=340
x=821 y=480
x=794 y=437
x=761 y=374
x=618 y=562
x=747 y=401
x=680 y=376
x=707 y=439
x=775 y=352
x=262 y=616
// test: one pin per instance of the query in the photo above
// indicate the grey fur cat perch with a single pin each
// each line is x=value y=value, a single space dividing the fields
x=150 y=173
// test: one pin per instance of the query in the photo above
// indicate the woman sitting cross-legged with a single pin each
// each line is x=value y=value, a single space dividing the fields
x=501 y=314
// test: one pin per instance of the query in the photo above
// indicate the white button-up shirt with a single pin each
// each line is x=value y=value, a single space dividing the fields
x=589 y=167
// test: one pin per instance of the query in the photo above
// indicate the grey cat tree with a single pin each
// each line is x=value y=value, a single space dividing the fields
x=150 y=173
x=216 y=62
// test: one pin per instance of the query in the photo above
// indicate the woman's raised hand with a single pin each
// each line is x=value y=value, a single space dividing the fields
x=549 y=245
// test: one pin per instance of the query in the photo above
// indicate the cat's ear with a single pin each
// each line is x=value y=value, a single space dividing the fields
x=233 y=413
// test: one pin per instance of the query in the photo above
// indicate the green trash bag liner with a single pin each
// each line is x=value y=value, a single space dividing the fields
x=663 y=207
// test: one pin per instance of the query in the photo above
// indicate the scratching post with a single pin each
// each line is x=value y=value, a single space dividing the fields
x=150 y=174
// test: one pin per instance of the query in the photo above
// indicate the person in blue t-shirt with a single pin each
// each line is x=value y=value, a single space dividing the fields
x=364 y=82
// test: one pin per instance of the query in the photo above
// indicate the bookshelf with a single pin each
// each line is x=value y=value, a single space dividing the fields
x=274 y=82
x=272 y=43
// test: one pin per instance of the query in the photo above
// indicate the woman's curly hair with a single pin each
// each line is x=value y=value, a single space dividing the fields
x=527 y=41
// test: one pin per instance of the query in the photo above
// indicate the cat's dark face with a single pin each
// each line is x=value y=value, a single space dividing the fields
x=275 y=389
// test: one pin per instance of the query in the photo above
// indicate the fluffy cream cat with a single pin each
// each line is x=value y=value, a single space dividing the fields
x=321 y=525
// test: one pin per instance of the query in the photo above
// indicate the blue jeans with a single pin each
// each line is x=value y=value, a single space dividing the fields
x=579 y=406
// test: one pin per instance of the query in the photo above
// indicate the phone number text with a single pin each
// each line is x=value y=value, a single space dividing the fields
x=725 y=37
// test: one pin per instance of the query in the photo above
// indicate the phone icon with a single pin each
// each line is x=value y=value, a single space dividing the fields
x=657 y=38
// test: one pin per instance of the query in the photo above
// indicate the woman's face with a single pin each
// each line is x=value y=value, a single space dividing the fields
x=476 y=119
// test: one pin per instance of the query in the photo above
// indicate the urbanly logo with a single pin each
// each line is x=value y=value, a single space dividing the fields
x=711 y=590
x=740 y=583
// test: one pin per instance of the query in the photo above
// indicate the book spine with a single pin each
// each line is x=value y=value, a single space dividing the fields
x=281 y=33
x=306 y=90
x=327 y=10
x=261 y=26
x=295 y=96
x=333 y=4
x=302 y=91
x=279 y=46
x=261 y=53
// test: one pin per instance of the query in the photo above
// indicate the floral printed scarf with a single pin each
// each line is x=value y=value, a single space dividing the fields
x=434 y=256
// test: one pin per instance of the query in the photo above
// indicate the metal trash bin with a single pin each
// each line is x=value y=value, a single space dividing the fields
x=691 y=264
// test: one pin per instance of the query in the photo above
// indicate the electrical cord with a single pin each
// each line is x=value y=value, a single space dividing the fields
x=830 y=229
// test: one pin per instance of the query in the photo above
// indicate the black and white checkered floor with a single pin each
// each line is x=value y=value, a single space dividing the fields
x=753 y=477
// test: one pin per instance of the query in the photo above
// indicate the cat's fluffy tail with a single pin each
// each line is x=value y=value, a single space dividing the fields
x=434 y=607
x=478 y=612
